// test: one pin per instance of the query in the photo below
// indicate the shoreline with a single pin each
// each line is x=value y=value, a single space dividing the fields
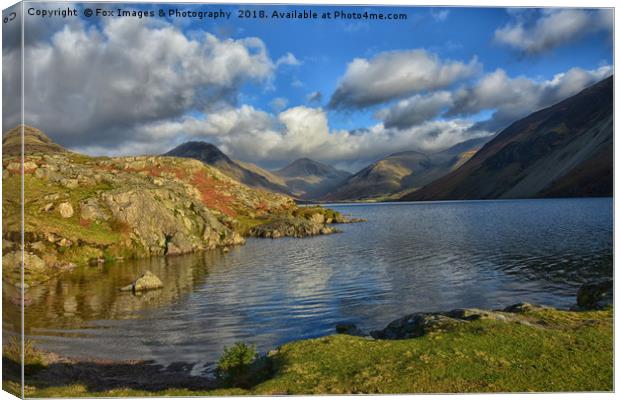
x=280 y=226
x=414 y=202
x=56 y=374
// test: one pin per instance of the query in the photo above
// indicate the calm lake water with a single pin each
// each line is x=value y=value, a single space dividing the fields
x=405 y=258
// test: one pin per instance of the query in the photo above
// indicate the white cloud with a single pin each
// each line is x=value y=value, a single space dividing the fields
x=297 y=83
x=440 y=15
x=396 y=74
x=552 y=28
x=275 y=139
x=88 y=82
x=506 y=97
x=514 y=98
x=288 y=59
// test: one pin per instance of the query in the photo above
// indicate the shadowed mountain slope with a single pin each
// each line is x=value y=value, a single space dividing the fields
x=565 y=150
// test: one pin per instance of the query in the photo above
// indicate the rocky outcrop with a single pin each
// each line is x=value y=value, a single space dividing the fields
x=420 y=324
x=163 y=221
x=290 y=227
x=596 y=295
x=146 y=281
x=81 y=209
x=593 y=295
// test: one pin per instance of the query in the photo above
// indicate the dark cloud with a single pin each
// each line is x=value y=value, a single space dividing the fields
x=415 y=110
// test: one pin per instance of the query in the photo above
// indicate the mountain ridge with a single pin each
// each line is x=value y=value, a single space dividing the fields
x=210 y=154
x=562 y=150
x=311 y=179
x=402 y=171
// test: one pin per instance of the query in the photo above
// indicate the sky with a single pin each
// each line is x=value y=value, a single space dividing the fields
x=341 y=91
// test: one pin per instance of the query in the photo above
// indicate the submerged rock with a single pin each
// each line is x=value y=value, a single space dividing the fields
x=520 y=308
x=147 y=281
x=596 y=294
x=348 y=328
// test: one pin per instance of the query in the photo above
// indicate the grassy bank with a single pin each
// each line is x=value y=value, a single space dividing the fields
x=539 y=350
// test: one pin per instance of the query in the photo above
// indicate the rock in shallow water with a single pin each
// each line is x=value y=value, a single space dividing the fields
x=596 y=294
x=147 y=281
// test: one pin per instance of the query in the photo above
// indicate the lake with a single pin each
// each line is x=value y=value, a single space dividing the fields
x=407 y=257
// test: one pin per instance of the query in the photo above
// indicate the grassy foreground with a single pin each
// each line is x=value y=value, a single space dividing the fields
x=542 y=350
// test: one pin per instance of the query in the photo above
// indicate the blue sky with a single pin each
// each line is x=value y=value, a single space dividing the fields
x=479 y=69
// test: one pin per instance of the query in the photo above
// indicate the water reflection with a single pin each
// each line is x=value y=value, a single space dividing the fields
x=406 y=258
x=92 y=293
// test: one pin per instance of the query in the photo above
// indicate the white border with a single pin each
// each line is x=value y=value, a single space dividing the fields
x=466 y=3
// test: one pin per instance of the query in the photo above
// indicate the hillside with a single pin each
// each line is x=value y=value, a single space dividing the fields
x=35 y=141
x=562 y=150
x=82 y=210
x=309 y=179
x=404 y=171
x=246 y=173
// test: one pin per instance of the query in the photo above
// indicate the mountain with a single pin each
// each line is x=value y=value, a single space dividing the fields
x=311 y=179
x=404 y=171
x=34 y=141
x=249 y=174
x=565 y=150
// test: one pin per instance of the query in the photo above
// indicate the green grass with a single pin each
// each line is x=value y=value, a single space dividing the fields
x=246 y=223
x=307 y=211
x=569 y=354
x=554 y=351
x=100 y=234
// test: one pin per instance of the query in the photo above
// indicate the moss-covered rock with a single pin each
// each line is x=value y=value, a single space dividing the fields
x=596 y=294
x=146 y=281
x=290 y=227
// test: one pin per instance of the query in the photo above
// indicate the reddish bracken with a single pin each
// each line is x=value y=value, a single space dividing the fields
x=211 y=192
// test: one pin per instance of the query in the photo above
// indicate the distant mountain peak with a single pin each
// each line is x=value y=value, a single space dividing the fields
x=311 y=179
x=203 y=151
x=306 y=166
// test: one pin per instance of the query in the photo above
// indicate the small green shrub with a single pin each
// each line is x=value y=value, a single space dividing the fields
x=234 y=365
